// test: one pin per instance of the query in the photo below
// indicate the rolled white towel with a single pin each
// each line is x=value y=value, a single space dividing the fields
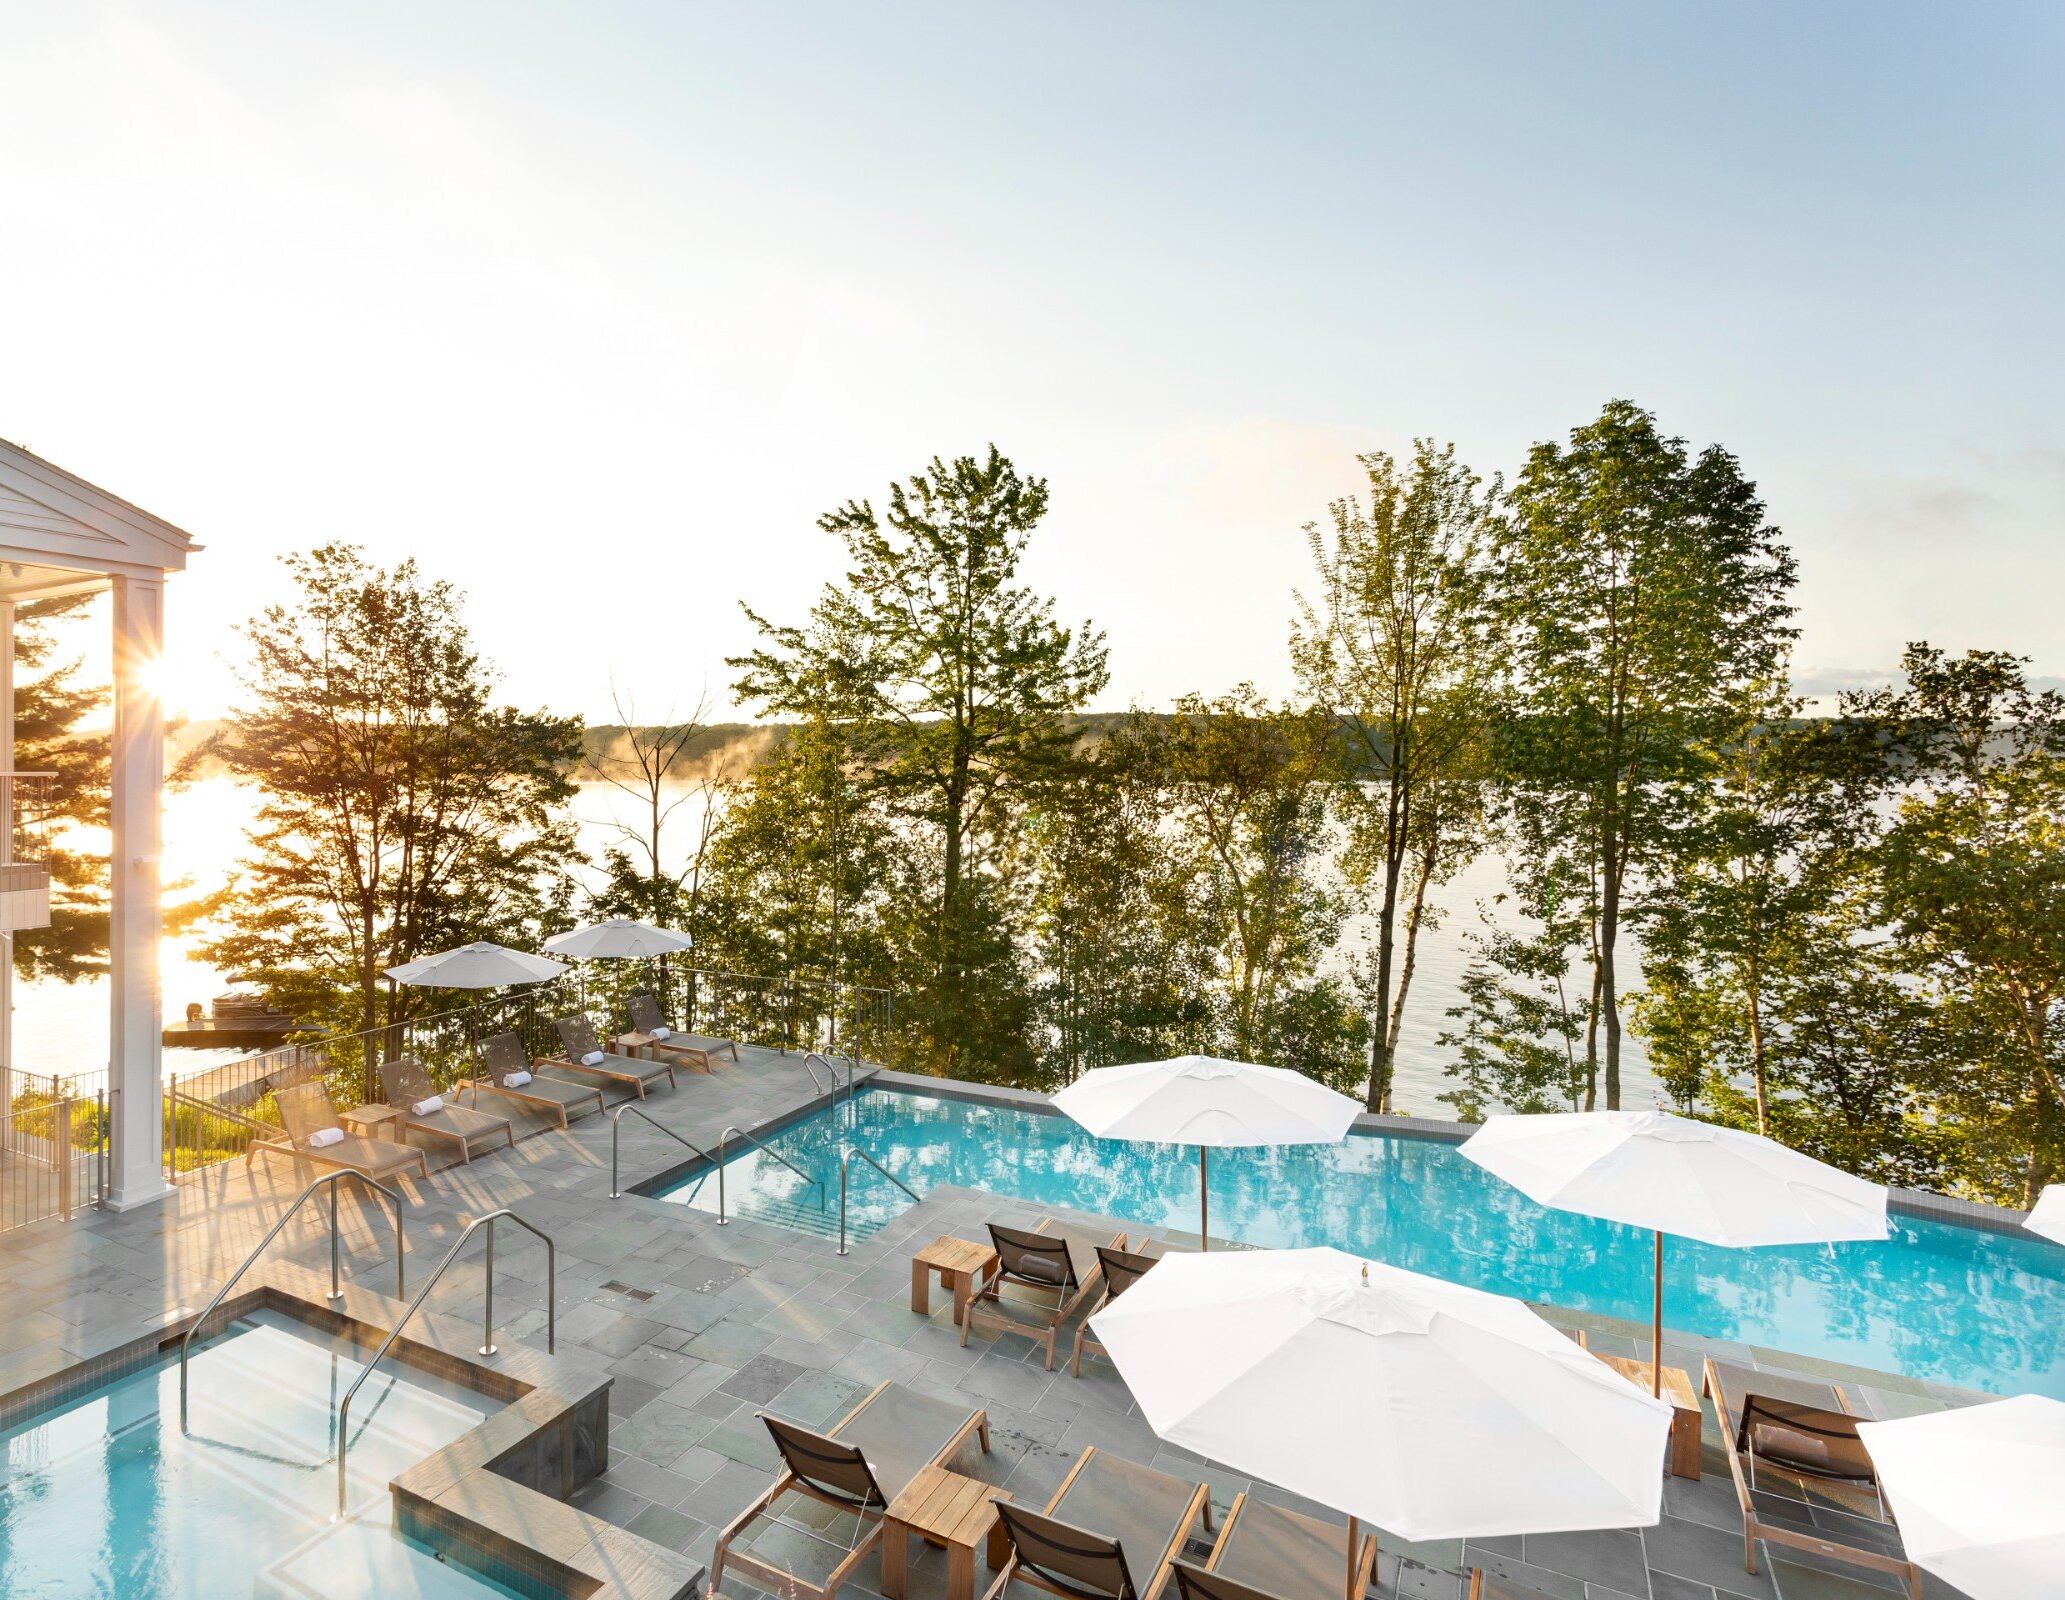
x=423 y=1108
x=592 y=1059
x=325 y=1136
x=661 y=1031
x=515 y=1080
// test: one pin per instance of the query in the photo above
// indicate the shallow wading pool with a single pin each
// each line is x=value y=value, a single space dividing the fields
x=104 y=1497
x=1935 y=1301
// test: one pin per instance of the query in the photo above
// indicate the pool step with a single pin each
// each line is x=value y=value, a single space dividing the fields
x=805 y=1216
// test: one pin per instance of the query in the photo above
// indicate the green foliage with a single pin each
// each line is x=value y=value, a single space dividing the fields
x=401 y=811
x=950 y=681
x=51 y=708
x=1644 y=601
x=1398 y=649
x=1973 y=870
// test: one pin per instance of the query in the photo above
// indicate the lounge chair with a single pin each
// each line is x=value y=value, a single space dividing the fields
x=1120 y=1269
x=1057 y=1267
x=649 y=1031
x=585 y=1061
x=1266 y=1552
x=310 y=1119
x=860 y=1465
x=408 y=1086
x=509 y=1071
x=1780 y=1428
x=1110 y=1532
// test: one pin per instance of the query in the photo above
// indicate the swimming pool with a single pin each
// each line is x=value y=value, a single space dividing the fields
x=105 y=1497
x=1934 y=1301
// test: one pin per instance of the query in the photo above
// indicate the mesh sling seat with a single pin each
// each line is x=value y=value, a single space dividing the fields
x=1120 y=1270
x=407 y=1084
x=1801 y=1429
x=859 y=1466
x=503 y=1059
x=649 y=1031
x=305 y=1110
x=1056 y=1271
x=1110 y=1532
x=1267 y=1552
x=585 y=1061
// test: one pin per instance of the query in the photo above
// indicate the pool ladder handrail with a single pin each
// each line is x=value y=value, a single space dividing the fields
x=487 y=1346
x=845 y=1157
x=336 y=1258
x=617 y=1128
x=823 y=1058
x=722 y=1219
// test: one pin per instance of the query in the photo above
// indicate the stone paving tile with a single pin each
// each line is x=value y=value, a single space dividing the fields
x=751 y=1317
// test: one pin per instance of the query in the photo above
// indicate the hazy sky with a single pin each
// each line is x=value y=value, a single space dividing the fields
x=594 y=307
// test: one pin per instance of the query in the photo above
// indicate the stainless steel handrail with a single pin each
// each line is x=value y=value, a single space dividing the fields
x=722 y=1219
x=336 y=1259
x=846 y=1156
x=617 y=1127
x=811 y=1062
x=487 y=1346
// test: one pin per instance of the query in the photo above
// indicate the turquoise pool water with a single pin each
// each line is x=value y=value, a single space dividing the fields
x=1935 y=1301
x=104 y=1497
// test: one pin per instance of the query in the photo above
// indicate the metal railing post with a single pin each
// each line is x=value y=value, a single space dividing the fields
x=336 y=1252
x=846 y=1156
x=616 y=1129
x=487 y=1299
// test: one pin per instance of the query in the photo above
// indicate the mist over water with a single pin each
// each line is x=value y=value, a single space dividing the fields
x=61 y=1028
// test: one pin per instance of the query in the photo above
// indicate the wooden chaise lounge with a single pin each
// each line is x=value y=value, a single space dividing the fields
x=1268 y=1552
x=309 y=1119
x=649 y=1031
x=1110 y=1532
x=509 y=1071
x=583 y=1060
x=407 y=1083
x=1055 y=1270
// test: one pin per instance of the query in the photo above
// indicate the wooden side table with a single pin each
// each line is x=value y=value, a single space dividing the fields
x=370 y=1120
x=961 y=1266
x=942 y=1507
x=1685 y=1412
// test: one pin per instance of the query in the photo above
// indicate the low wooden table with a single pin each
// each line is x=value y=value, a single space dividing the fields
x=370 y=1119
x=942 y=1507
x=1685 y=1412
x=960 y=1264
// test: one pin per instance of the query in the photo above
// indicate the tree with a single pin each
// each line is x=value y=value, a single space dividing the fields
x=51 y=709
x=660 y=769
x=1774 y=833
x=955 y=683
x=1522 y=1025
x=1396 y=648
x=1243 y=789
x=401 y=810
x=1974 y=888
x=1642 y=599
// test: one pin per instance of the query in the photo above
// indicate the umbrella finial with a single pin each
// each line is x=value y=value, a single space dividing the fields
x=1365 y=1274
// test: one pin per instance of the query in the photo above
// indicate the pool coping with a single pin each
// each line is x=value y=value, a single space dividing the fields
x=494 y=1499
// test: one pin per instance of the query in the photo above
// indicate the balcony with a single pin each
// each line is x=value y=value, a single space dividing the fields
x=25 y=814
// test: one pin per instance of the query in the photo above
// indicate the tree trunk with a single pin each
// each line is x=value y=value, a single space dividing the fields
x=1387 y=938
x=1609 y=998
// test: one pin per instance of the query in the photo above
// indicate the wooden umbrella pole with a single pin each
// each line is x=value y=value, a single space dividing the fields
x=1354 y=1539
x=1204 y=1202
x=1656 y=1326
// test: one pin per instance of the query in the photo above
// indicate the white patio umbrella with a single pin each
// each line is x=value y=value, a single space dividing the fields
x=2047 y=1216
x=481 y=965
x=1207 y=1102
x=1980 y=1494
x=1670 y=1174
x=617 y=939
x=1433 y=1410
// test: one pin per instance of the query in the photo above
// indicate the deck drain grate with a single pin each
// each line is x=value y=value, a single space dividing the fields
x=625 y=1289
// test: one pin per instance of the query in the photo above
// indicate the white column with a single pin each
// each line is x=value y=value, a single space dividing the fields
x=137 y=1164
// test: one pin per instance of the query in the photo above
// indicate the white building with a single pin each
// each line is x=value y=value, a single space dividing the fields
x=60 y=535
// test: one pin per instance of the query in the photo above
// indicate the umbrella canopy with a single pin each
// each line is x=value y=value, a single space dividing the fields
x=2047 y=1216
x=1980 y=1493
x=1433 y=1410
x=618 y=939
x=1210 y=1103
x=1653 y=1170
x=476 y=966
x=1202 y=1100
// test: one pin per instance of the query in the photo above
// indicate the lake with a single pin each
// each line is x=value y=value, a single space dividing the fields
x=62 y=1028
